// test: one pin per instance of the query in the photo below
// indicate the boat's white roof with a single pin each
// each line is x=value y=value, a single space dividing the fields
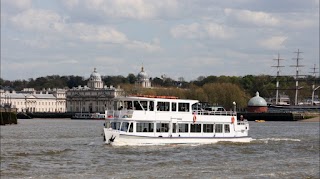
x=162 y=99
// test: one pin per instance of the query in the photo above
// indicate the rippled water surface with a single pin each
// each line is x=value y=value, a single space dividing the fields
x=64 y=148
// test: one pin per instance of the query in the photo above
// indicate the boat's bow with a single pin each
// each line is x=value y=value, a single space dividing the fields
x=110 y=135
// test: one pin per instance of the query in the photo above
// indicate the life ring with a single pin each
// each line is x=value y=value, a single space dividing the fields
x=232 y=120
x=194 y=118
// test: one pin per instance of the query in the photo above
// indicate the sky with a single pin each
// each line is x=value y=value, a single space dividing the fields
x=172 y=38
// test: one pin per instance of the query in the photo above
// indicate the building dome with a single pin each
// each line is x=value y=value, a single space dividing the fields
x=257 y=101
x=143 y=75
x=95 y=76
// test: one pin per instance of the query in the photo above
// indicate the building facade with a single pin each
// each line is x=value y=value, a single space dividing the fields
x=30 y=100
x=95 y=97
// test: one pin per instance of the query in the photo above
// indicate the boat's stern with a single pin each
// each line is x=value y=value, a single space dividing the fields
x=110 y=135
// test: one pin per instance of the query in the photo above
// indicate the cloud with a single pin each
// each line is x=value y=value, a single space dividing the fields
x=91 y=33
x=38 y=20
x=275 y=42
x=45 y=21
x=146 y=47
x=251 y=17
x=199 y=31
x=133 y=9
x=16 y=4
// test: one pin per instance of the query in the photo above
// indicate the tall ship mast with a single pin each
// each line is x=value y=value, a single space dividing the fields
x=278 y=74
x=297 y=65
x=314 y=83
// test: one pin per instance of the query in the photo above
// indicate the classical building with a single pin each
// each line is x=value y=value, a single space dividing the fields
x=143 y=79
x=30 y=100
x=95 y=97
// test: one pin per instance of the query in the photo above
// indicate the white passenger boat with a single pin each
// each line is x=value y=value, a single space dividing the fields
x=160 y=120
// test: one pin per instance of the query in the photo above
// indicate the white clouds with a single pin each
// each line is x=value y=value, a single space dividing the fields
x=70 y=3
x=146 y=47
x=16 y=4
x=38 y=20
x=133 y=9
x=198 y=31
x=44 y=21
x=275 y=42
x=196 y=35
x=90 y=33
x=252 y=17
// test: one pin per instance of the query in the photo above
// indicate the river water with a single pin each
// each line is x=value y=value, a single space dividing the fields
x=64 y=148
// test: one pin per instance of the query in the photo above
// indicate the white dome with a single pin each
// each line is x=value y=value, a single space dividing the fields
x=95 y=76
x=143 y=75
x=257 y=101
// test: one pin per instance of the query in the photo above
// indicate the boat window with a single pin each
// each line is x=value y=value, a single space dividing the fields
x=131 y=127
x=162 y=127
x=137 y=105
x=208 y=128
x=144 y=104
x=195 y=128
x=128 y=104
x=218 y=128
x=115 y=125
x=183 y=128
x=124 y=126
x=183 y=107
x=163 y=106
x=174 y=127
x=107 y=125
x=174 y=107
x=151 y=105
x=226 y=128
x=144 y=127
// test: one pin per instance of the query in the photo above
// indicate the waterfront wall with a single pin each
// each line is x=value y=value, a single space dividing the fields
x=8 y=116
x=276 y=116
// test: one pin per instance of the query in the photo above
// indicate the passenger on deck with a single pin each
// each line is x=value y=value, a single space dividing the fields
x=241 y=117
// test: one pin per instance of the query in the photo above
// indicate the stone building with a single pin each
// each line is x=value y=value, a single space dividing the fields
x=95 y=97
x=30 y=100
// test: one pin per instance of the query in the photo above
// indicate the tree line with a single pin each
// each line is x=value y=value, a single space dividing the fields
x=220 y=90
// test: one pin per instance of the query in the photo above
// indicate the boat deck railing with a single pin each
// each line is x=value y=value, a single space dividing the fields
x=217 y=113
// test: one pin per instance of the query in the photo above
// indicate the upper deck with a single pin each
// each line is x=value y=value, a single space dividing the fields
x=156 y=108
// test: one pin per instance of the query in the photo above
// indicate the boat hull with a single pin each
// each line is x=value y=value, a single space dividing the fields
x=118 y=139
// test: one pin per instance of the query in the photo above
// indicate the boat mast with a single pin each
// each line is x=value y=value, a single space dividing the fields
x=297 y=75
x=278 y=74
x=314 y=82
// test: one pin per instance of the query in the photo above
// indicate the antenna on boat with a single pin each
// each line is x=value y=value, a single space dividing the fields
x=297 y=74
x=278 y=74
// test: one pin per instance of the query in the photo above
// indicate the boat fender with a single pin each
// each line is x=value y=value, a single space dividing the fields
x=232 y=120
x=194 y=118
